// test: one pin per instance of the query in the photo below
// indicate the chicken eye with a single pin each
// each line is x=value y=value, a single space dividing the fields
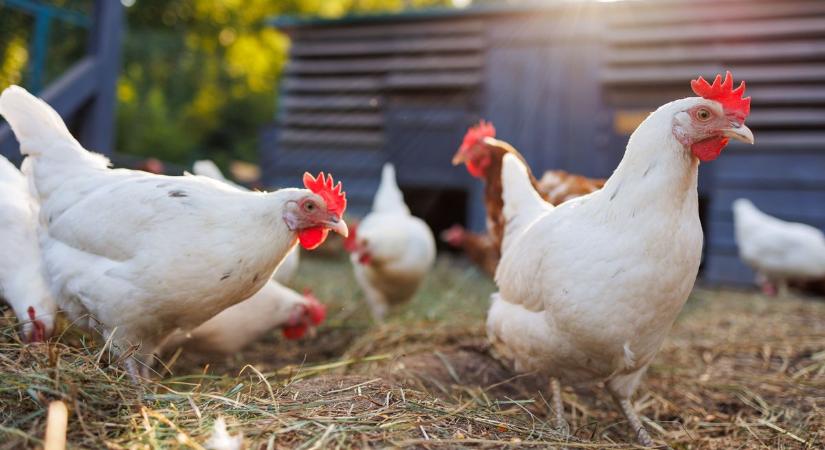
x=703 y=115
x=309 y=206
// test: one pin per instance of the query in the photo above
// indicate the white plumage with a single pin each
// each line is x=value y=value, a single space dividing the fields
x=22 y=278
x=393 y=249
x=588 y=290
x=139 y=255
x=289 y=267
x=239 y=325
x=777 y=250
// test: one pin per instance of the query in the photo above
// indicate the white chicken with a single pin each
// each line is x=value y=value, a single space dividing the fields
x=141 y=255
x=286 y=271
x=392 y=250
x=778 y=251
x=22 y=278
x=239 y=325
x=589 y=289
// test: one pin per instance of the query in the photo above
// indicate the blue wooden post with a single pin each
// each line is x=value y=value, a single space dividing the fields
x=98 y=130
x=39 y=48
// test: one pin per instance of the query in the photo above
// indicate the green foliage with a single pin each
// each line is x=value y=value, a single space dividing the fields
x=200 y=76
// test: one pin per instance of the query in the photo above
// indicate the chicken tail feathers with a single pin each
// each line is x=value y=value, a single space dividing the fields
x=40 y=130
x=389 y=198
x=207 y=168
x=522 y=204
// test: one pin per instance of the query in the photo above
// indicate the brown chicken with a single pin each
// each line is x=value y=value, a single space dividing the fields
x=479 y=248
x=482 y=154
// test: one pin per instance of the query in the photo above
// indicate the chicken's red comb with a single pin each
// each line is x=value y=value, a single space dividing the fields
x=334 y=196
x=478 y=132
x=723 y=92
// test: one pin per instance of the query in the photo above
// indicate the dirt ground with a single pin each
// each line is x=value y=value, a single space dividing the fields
x=738 y=371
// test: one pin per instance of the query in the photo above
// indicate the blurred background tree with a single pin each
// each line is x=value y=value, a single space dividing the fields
x=199 y=77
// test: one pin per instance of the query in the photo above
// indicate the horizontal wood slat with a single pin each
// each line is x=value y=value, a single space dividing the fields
x=355 y=120
x=384 y=47
x=623 y=14
x=659 y=75
x=337 y=84
x=339 y=102
x=434 y=80
x=381 y=65
x=728 y=52
x=708 y=32
x=437 y=28
x=322 y=137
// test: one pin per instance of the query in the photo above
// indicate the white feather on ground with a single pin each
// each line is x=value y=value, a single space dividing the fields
x=222 y=440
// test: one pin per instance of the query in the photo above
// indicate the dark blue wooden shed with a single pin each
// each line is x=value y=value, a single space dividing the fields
x=565 y=82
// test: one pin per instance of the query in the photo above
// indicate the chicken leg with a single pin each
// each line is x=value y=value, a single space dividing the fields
x=633 y=418
x=558 y=406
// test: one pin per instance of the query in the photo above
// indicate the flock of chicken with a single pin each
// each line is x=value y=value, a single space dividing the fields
x=591 y=273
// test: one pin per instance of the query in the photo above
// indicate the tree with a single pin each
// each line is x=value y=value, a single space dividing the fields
x=200 y=76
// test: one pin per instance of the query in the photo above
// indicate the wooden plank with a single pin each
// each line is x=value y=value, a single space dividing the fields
x=339 y=138
x=626 y=15
x=764 y=29
x=722 y=237
x=761 y=95
x=339 y=162
x=337 y=84
x=658 y=75
x=783 y=142
x=356 y=120
x=418 y=28
x=433 y=80
x=770 y=170
x=382 y=65
x=386 y=47
x=788 y=118
x=727 y=52
x=787 y=204
x=339 y=102
x=722 y=268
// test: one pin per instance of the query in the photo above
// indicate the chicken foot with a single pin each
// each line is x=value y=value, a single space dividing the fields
x=633 y=418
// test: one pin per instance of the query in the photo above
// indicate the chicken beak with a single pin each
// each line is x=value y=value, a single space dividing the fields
x=338 y=225
x=739 y=132
x=458 y=158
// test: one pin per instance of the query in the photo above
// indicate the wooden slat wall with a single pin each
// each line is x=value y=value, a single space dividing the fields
x=344 y=99
x=652 y=48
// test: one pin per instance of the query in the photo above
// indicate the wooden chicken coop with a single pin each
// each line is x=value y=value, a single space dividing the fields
x=566 y=83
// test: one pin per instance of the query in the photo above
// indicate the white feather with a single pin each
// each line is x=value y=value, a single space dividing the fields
x=239 y=325
x=286 y=271
x=222 y=440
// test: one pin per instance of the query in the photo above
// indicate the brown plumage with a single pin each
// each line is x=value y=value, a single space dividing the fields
x=482 y=154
